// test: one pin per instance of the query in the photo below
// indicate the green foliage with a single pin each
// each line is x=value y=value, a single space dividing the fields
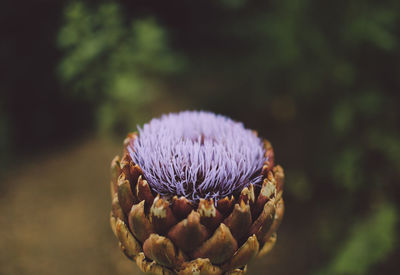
x=369 y=242
x=342 y=118
x=372 y=24
x=347 y=169
x=300 y=186
x=114 y=64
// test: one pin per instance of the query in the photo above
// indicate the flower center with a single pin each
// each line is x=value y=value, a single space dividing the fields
x=197 y=155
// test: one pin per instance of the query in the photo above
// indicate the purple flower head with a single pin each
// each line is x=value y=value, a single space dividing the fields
x=197 y=155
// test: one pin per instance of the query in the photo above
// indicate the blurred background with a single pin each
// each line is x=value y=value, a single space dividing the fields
x=319 y=79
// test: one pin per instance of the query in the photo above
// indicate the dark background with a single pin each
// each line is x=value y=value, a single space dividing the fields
x=319 y=79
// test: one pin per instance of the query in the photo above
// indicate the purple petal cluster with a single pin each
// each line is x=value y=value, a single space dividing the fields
x=197 y=155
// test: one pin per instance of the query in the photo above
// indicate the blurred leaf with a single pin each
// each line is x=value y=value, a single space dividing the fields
x=343 y=72
x=370 y=103
x=298 y=185
x=348 y=167
x=117 y=65
x=87 y=35
x=374 y=25
x=369 y=242
x=343 y=117
x=388 y=144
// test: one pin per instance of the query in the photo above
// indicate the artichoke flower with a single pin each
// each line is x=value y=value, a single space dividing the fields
x=195 y=193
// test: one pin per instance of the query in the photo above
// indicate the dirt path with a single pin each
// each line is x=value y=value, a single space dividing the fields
x=55 y=215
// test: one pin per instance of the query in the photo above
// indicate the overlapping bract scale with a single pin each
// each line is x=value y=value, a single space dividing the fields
x=176 y=236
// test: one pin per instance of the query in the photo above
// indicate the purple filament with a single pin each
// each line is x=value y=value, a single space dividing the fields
x=197 y=154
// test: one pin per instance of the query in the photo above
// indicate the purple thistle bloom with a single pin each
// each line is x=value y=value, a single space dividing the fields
x=197 y=155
